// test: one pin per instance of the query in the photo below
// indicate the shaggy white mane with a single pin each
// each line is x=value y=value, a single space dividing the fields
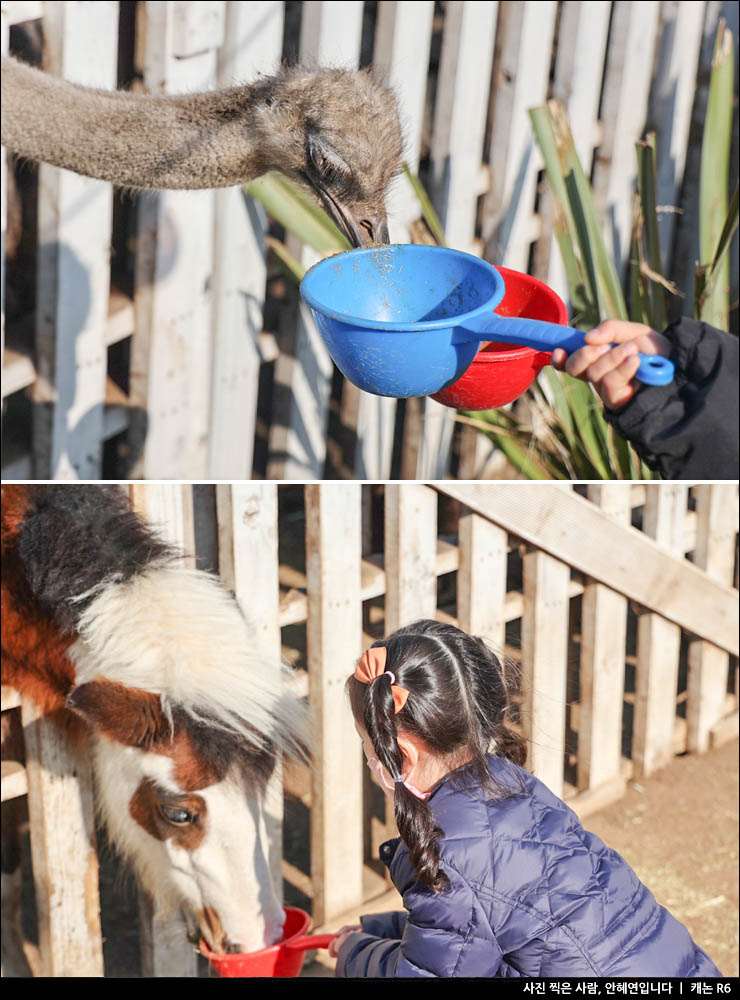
x=178 y=633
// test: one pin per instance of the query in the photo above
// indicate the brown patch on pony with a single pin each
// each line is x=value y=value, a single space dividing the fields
x=34 y=649
x=145 y=808
x=201 y=754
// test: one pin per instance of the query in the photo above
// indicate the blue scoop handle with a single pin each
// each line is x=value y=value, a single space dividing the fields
x=654 y=368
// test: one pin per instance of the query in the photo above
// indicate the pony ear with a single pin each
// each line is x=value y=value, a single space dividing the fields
x=126 y=715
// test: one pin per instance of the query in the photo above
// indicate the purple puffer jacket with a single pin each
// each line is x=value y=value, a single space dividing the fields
x=531 y=894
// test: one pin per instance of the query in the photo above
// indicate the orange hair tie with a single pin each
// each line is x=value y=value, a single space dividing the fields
x=371 y=665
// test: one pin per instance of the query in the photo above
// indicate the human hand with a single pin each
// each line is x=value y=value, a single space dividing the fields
x=342 y=934
x=611 y=369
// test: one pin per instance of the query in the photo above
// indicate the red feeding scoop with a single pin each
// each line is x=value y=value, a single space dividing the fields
x=284 y=959
x=500 y=373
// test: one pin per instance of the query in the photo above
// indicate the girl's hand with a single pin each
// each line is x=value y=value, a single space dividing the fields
x=342 y=934
x=611 y=370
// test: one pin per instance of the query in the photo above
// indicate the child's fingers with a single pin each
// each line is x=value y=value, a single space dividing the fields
x=608 y=361
x=617 y=387
x=579 y=363
x=614 y=331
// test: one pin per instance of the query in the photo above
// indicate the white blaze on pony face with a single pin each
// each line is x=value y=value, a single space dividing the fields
x=213 y=866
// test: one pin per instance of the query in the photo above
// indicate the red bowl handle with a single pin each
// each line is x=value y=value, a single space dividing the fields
x=309 y=941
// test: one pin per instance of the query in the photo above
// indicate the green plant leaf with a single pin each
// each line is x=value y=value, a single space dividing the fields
x=427 y=209
x=646 y=185
x=294 y=210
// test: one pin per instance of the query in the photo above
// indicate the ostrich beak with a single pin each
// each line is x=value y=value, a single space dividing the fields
x=362 y=229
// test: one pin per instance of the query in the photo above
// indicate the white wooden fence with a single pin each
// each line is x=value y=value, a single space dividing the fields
x=615 y=604
x=465 y=74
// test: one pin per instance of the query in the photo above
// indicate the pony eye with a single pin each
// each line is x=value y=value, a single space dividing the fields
x=179 y=816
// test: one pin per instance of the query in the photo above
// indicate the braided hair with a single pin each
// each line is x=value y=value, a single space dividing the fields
x=457 y=705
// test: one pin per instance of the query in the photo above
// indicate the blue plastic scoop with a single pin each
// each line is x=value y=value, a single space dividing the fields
x=407 y=320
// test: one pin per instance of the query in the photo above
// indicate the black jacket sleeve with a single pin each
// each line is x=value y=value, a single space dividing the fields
x=689 y=429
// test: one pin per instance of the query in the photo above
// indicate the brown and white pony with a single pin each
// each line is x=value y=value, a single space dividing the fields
x=151 y=669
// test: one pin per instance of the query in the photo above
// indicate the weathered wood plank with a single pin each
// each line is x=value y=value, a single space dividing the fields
x=623 y=113
x=717 y=518
x=334 y=640
x=63 y=850
x=330 y=35
x=658 y=641
x=545 y=664
x=410 y=551
x=481 y=581
x=456 y=151
x=74 y=232
x=253 y=34
x=603 y=640
x=573 y=530
x=171 y=348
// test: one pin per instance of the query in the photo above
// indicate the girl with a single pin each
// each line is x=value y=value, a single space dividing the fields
x=498 y=877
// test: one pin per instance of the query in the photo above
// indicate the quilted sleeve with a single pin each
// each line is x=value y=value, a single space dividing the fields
x=446 y=935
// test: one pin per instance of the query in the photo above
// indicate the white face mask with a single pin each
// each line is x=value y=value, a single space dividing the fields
x=388 y=784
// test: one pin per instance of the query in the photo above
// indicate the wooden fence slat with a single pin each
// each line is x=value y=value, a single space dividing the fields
x=334 y=641
x=171 y=349
x=248 y=551
x=63 y=850
x=410 y=554
x=717 y=511
x=623 y=113
x=658 y=641
x=545 y=664
x=579 y=67
x=481 y=579
x=330 y=36
x=671 y=102
x=456 y=152
x=401 y=28
x=253 y=44
x=525 y=42
x=573 y=530
x=74 y=232
x=603 y=639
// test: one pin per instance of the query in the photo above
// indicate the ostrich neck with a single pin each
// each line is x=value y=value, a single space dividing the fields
x=133 y=140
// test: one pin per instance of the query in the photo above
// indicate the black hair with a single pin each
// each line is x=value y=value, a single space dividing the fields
x=457 y=705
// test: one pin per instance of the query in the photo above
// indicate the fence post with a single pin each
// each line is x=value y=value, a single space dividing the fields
x=457 y=177
x=171 y=348
x=481 y=578
x=603 y=638
x=658 y=641
x=73 y=282
x=410 y=554
x=330 y=35
x=334 y=639
x=252 y=44
x=63 y=849
x=545 y=664
x=716 y=509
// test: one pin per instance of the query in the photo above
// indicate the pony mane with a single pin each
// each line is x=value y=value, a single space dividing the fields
x=179 y=634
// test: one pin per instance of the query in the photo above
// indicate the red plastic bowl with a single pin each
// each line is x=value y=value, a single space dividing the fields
x=500 y=373
x=282 y=960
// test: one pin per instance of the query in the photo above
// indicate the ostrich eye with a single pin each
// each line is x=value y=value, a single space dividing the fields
x=178 y=816
x=325 y=160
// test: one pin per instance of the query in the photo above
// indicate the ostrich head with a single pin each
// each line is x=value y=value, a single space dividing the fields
x=337 y=134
